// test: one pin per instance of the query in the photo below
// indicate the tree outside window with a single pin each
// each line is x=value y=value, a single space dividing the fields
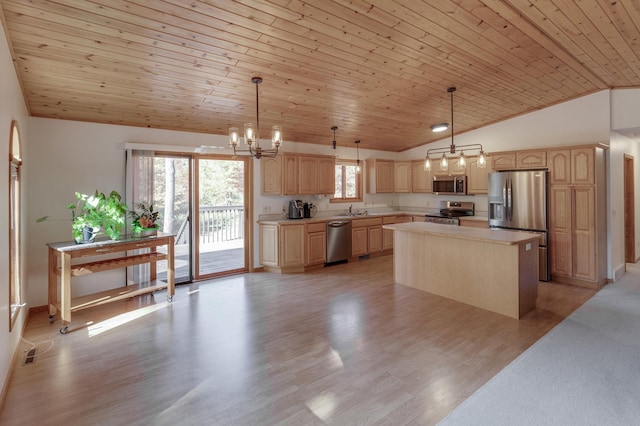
x=348 y=182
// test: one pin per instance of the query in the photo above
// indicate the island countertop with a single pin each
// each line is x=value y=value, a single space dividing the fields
x=495 y=236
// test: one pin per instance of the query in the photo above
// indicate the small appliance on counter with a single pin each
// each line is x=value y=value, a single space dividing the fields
x=296 y=209
x=309 y=210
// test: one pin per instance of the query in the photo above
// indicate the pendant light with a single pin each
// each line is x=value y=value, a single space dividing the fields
x=444 y=162
x=252 y=135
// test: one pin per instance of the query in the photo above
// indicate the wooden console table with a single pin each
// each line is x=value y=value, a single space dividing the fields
x=67 y=259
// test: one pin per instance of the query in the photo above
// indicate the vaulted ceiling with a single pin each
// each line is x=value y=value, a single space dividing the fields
x=377 y=69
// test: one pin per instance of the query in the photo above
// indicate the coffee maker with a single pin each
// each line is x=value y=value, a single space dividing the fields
x=295 y=209
x=308 y=210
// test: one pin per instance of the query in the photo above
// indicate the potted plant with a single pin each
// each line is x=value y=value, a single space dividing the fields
x=145 y=219
x=97 y=213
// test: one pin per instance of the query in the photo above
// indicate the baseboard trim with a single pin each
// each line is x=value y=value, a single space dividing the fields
x=619 y=272
x=38 y=309
x=14 y=359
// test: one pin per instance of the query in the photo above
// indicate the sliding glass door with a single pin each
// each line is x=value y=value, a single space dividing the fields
x=220 y=207
x=202 y=201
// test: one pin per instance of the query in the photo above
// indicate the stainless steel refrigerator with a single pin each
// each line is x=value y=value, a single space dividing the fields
x=518 y=201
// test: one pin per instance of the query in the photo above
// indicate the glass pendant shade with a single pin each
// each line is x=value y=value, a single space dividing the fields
x=234 y=137
x=482 y=160
x=444 y=163
x=427 y=164
x=249 y=134
x=462 y=161
x=276 y=136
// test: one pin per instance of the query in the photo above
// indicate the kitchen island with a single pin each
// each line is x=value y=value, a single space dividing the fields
x=492 y=269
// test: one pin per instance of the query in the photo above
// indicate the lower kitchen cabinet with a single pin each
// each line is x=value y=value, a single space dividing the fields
x=316 y=244
x=282 y=247
x=366 y=236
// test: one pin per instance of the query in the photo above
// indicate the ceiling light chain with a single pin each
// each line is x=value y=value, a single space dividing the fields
x=444 y=162
x=358 y=169
x=334 y=128
x=252 y=135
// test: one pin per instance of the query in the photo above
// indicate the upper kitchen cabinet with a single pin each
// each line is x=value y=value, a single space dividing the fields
x=478 y=177
x=289 y=174
x=271 y=170
x=531 y=159
x=380 y=176
x=518 y=160
x=298 y=174
x=574 y=166
x=421 y=179
x=452 y=168
x=316 y=175
x=504 y=160
x=402 y=176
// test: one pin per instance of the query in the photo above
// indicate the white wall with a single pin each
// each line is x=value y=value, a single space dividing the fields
x=12 y=107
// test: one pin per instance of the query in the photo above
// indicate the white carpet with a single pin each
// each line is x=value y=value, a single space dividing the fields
x=585 y=371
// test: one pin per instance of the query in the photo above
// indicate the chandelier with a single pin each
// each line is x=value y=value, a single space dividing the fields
x=444 y=161
x=252 y=135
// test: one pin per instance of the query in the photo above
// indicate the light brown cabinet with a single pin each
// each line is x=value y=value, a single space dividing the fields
x=316 y=175
x=366 y=236
x=453 y=168
x=573 y=232
x=402 y=179
x=282 y=247
x=531 y=159
x=518 y=160
x=577 y=216
x=298 y=174
x=290 y=174
x=572 y=166
x=478 y=177
x=421 y=179
x=503 y=160
x=380 y=176
x=271 y=171
x=316 y=244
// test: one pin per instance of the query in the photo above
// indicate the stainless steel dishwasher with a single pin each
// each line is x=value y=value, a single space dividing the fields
x=338 y=240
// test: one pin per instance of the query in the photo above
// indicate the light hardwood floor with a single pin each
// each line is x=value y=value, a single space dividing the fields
x=341 y=345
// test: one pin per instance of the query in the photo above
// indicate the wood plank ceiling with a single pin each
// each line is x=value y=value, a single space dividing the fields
x=377 y=69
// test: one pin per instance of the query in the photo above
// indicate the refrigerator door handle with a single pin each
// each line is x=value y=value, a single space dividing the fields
x=510 y=199
x=504 y=199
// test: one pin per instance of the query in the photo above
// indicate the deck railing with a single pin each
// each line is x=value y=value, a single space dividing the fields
x=221 y=223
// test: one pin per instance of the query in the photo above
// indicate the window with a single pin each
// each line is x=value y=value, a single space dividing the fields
x=348 y=182
x=15 y=278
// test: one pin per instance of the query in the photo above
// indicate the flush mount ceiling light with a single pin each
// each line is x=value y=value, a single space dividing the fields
x=437 y=128
x=334 y=128
x=444 y=161
x=252 y=135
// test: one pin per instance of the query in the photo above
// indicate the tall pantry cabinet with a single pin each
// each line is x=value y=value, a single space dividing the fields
x=577 y=215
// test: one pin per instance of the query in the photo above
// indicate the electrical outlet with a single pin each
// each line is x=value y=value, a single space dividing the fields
x=266 y=209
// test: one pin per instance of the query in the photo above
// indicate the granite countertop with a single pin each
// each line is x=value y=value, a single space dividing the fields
x=495 y=236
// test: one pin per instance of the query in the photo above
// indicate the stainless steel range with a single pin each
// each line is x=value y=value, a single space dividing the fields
x=450 y=211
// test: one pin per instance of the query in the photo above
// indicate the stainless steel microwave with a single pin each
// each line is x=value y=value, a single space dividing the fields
x=450 y=185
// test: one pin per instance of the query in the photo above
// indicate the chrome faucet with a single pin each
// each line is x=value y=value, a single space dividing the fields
x=350 y=209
